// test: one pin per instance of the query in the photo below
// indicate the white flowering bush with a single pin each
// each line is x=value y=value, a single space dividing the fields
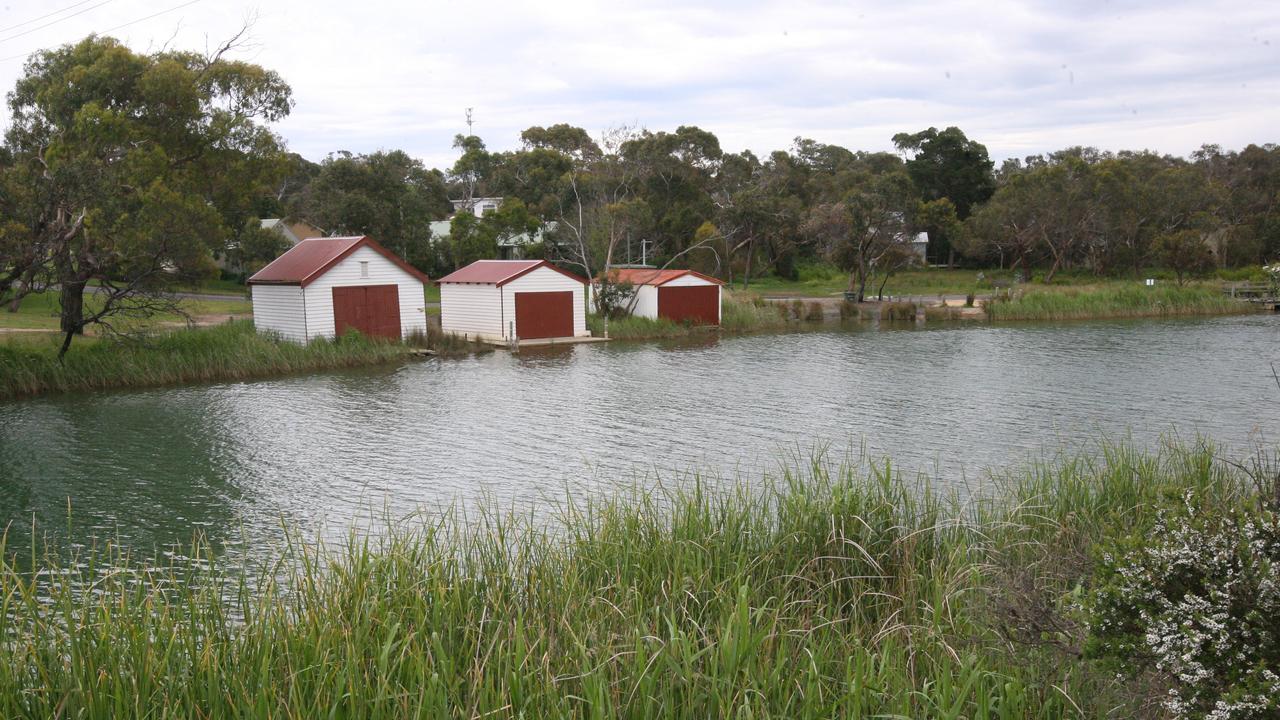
x=1198 y=597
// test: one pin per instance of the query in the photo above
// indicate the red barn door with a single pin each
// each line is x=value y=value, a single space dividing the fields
x=544 y=315
x=697 y=303
x=374 y=310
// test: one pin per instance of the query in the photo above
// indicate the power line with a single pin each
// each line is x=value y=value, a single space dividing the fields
x=46 y=15
x=55 y=22
x=113 y=29
x=162 y=12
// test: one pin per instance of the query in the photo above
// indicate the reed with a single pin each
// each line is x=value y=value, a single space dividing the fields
x=232 y=351
x=833 y=590
x=898 y=311
x=1113 y=301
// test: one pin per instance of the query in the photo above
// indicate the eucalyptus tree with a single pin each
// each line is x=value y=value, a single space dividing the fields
x=389 y=196
x=867 y=226
x=675 y=173
x=136 y=165
x=946 y=164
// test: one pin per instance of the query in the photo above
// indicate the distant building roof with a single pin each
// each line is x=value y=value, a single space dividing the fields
x=309 y=259
x=294 y=231
x=499 y=272
x=644 y=276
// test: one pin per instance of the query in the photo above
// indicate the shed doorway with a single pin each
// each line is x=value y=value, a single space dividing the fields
x=699 y=304
x=544 y=315
x=374 y=310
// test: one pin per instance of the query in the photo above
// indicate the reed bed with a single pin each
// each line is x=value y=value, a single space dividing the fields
x=231 y=351
x=1130 y=300
x=830 y=591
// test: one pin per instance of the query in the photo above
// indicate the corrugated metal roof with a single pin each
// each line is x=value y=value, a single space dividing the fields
x=499 y=272
x=645 y=276
x=311 y=258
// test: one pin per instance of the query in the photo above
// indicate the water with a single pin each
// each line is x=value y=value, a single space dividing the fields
x=235 y=461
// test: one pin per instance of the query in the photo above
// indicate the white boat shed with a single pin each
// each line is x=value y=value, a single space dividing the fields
x=510 y=300
x=677 y=295
x=323 y=287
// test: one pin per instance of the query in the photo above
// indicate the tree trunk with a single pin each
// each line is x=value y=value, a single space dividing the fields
x=746 y=275
x=72 y=312
x=1048 y=277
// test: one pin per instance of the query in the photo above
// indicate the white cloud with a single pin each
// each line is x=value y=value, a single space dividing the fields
x=1021 y=77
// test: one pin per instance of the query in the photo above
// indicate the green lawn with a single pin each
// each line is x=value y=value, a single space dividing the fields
x=39 y=311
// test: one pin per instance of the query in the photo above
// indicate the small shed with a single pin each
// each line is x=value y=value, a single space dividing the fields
x=677 y=295
x=506 y=300
x=322 y=287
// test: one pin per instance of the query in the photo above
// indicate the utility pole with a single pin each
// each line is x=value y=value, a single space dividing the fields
x=471 y=175
x=644 y=254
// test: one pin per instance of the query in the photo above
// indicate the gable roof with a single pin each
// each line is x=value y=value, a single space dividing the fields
x=500 y=272
x=309 y=259
x=646 y=276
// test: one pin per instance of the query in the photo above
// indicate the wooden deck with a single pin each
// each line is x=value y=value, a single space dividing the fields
x=1265 y=293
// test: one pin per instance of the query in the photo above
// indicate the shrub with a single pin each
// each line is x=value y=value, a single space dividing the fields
x=815 y=313
x=1198 y=597
x=797 y=309
x=968 y=300
x=898 y=311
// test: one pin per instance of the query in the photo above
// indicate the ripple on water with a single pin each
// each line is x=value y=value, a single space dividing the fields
x=231 y=460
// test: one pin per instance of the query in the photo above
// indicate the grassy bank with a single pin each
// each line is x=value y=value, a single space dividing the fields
x=1113 y=301
x=739 y=314
x=830 y=592
x=231 y=351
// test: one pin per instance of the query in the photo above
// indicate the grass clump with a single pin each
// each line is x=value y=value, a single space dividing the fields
x=232 y=351
x=833 y=591
x=1113 y=301
x=898 y=311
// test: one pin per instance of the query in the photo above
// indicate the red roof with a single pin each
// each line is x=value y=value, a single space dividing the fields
x=647 y=276
x=311 y=258
x=499 y=272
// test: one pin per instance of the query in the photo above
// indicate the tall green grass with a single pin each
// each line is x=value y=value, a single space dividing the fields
x=232 y=351
x=1114 y=301
x=832 y=591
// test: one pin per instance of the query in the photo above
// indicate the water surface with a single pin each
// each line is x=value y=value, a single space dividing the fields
x=234 y=460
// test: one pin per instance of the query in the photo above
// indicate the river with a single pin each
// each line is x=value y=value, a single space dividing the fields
x=236 y=461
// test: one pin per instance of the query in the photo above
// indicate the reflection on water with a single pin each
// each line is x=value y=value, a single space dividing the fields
x=233 y=460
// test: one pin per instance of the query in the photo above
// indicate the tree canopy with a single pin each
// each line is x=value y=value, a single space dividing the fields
x=134 y=166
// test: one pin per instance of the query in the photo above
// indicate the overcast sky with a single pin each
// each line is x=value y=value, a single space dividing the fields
x=1020 y=77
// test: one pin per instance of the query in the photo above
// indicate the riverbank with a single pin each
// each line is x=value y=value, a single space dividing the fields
x=231 y=351
x=831 y=591
x=1098 y=302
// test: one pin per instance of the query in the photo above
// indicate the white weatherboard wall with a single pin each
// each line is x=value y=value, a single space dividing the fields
x=646 y=298
x=319 y=294
x=474 y=311
x=278 y=308
x=544 y=279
